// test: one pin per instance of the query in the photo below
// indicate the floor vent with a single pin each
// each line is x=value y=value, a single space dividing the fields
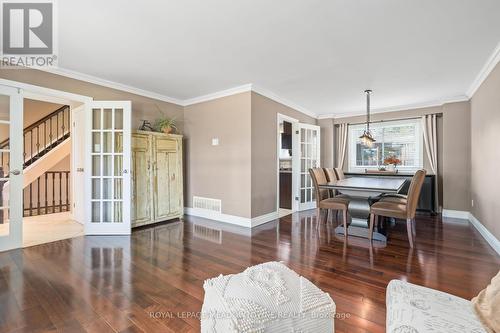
x=214 y=205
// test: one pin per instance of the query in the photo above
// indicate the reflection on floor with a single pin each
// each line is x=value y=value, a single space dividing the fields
x=49 y=228
x=118 y=283
x=284 y=212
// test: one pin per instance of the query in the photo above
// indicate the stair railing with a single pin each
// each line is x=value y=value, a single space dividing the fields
x=40 y=137
x=48 y=194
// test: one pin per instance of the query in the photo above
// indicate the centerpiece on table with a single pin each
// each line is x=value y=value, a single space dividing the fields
x=392 y=162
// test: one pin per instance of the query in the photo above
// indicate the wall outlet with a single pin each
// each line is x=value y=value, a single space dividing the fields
x=472 y=202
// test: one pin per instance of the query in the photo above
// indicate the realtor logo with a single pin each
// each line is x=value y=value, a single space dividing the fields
x=28 y=33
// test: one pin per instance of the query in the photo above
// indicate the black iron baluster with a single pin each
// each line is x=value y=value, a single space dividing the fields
x=31 y=200
x=62 y=135
x=60 y=191
x=53 y=192
x=67 y=191
x=46 y=201
x=50 y=134
x=38 y=141
x=38 y=196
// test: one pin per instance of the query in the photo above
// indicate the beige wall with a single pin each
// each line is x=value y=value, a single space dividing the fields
x=142 y=107
x=264 y=150
x=453 y=149
x=223 y=171
x=485 y=154
x=327 y=141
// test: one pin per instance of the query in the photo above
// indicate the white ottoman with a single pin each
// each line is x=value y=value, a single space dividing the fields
x=268 y=297
x=416 y=309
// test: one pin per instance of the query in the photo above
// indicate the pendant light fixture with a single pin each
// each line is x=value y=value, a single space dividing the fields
x=367 y=137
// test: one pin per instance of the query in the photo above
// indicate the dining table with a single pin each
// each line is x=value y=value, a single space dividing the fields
x=362 y=192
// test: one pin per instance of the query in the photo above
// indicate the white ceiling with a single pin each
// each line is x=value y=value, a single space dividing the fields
x=319 y=55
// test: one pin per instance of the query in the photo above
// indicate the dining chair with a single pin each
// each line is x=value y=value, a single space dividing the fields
x=323 y=198
x=400 y=208
x=331 y=176
x=340 y=173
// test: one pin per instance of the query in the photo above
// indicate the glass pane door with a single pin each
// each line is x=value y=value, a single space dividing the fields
x=11 y=167
x=308 y=151
x=109 y=168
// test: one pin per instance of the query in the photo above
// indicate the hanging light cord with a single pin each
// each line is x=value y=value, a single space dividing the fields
x=368 y=91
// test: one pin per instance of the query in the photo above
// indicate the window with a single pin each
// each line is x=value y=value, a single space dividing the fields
x=401 y=138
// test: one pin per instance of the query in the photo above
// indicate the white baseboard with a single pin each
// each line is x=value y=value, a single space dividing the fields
x=264 y=218
x=457 y=214
x=490 y=238
x=231 y=219
x=487 y=235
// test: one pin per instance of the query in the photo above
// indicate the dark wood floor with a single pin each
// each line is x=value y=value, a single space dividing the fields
x=152 y=281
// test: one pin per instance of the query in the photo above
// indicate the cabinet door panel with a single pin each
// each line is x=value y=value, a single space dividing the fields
x=173 y=189
x=163 y=147
x=141 y=187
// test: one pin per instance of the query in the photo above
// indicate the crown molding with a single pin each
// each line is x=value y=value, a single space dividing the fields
x=485 y=71
x=110 y=84
x=434 y=103
x=281 y=100
x=217 y=94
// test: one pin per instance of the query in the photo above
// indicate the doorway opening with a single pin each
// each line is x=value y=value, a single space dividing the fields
x=47 y=173
x=48 y=203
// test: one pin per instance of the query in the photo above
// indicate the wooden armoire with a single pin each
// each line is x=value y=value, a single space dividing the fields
x=156 y=177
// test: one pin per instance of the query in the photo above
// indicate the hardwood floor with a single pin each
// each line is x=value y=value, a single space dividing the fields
x=152 y=281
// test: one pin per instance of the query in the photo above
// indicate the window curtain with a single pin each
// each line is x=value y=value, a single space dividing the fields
x=429 y=130
x=341 y=144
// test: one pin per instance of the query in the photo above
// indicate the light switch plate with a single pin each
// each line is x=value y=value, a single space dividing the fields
x=215 y=141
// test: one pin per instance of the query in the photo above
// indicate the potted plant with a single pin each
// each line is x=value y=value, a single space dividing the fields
x=392 y=162
x=165 y=125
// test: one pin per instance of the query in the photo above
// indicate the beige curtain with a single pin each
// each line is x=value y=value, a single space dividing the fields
x=341 y=144
x=429 y=127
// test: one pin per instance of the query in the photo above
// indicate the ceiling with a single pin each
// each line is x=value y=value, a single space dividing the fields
x=320 y=55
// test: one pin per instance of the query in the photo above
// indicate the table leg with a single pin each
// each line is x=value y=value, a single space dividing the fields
x=359 y=213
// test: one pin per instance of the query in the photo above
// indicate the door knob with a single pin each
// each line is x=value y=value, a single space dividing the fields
x=15 y=172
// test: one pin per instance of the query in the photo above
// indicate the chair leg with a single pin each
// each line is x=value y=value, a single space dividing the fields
x=345 y=222
x=372 y=222
x=409 y=230
x=318 y=214
x=413 y=227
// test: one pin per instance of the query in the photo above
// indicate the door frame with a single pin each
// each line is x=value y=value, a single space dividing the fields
x=35 y=92
x=295 y=205
x=76 y=142
x=14 y=239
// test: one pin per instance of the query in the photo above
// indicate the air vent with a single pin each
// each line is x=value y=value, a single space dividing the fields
x=214 y=205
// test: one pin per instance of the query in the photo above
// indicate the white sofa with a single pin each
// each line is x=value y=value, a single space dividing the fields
x=416 y=309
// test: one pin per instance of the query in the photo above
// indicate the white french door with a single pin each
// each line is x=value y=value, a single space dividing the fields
x=11 y=169
x=107 y=168
x=305 y=155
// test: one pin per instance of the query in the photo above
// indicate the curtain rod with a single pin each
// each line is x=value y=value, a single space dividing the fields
x=439 y=115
